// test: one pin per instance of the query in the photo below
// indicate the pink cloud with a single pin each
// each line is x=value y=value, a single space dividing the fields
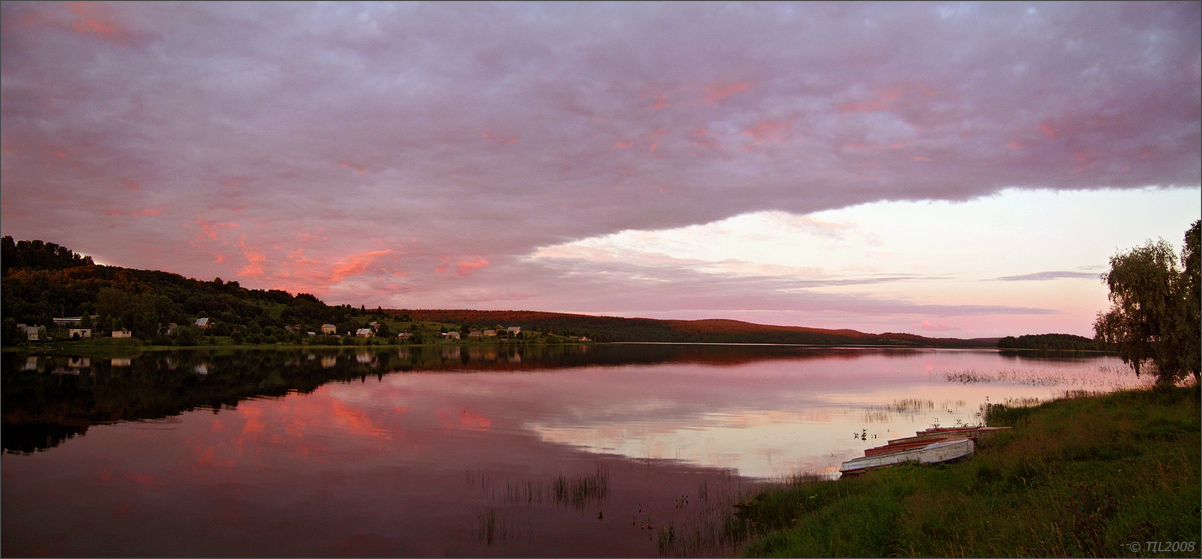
x=356 y=168
x=871 y=105
x=466 y=268
x=210 y=229
x=926 y=324
x=894 y=145
x=720 y=92
x=769 y=132
x=255 y=260
x=356 y=265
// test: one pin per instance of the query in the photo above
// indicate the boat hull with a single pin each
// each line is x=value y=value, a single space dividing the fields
x=933 y=453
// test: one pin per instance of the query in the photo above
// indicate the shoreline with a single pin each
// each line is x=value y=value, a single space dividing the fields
x=1079 y=476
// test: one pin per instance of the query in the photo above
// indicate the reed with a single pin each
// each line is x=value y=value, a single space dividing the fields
x=1074 y=477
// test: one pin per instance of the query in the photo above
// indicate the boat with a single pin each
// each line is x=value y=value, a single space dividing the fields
x=943 y=450
x=974 y=433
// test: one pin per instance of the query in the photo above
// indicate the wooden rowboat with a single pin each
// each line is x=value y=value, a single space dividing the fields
x=930 y=453
x=929 y=435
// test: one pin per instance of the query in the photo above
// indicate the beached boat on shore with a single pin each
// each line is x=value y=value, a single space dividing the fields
x=944 y=450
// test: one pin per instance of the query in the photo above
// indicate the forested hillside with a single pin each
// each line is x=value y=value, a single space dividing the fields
x=617 y=329
x=42 y=281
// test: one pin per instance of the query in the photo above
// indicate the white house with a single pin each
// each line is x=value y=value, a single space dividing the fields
x=452 y=335
x=122 y=333
x=329 y=329
x=515 y=330
x=32 y=333
x=80 y=332
x=202 y=322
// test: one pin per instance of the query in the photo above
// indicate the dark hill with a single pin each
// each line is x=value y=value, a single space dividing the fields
x=618 y=329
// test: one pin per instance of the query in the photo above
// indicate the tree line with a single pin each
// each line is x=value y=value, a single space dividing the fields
x=1060 y=342
x=1155 y=307
x=42 y=281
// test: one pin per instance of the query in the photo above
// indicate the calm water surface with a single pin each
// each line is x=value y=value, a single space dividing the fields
x=459 y=451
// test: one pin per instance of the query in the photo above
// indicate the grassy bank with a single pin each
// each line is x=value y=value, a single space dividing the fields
x=1097 y=476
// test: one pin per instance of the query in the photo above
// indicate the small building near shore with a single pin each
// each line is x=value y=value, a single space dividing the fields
x=32 y=333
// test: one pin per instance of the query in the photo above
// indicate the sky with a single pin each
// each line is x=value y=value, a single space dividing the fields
x=944 y=169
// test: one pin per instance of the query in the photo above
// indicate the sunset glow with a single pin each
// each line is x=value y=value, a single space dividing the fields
x=959 y=170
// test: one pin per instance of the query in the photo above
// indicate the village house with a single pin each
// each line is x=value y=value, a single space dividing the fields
x=364 y=333
x=514 y=330
x=451 y=335
x=80 y=333
x=475 y=334
x=404 y=335
x=202 y=322
x=122 y=333
x=32 y=333
x=329 y=329
x=490 y=333
x=68 y=321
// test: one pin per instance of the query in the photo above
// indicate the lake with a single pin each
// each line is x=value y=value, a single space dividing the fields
x=579 y=450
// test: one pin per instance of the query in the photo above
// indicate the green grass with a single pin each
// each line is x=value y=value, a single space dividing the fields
x=1077 y=477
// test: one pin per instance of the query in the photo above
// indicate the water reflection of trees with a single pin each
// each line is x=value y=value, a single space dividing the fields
x=48 y=399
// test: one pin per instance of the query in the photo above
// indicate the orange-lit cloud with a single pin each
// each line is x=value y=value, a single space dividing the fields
x=93 y=18
x=871 y=105
x=769 y=132
x=356 y=264
x=926 y=324
x=894 y=145
x=1048 y=130
x=702 y=138
x=920 y=158
x=352 y=166
x=255 y=259
x=509 y=140
x=719 y=92
x=1013 y=145
x=210 y=229
x=465 y=267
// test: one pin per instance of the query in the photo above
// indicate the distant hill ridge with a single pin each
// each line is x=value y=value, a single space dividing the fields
x=713 y=330
x=42 y=280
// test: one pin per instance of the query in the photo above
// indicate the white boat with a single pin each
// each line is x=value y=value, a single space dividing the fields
x=933 y=453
